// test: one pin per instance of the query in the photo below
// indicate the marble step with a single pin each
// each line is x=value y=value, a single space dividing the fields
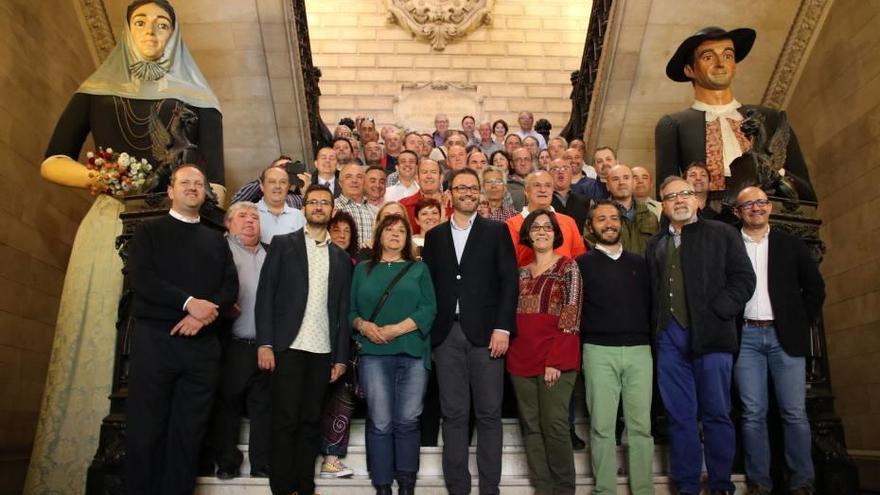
x=426 y=485
x=512 y=433
x=514 y=462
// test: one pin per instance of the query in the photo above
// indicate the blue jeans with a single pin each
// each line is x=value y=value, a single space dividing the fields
x=696 y=389
x=395 y=388
x=759 y=352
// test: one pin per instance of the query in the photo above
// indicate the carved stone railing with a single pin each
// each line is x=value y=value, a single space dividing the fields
x=311 y=75
x=583 y=81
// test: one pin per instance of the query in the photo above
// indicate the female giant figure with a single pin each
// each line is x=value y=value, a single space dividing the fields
x=130 y=104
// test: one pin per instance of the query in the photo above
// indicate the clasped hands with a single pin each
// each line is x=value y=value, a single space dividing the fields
x=200 y=313
x=380 y=335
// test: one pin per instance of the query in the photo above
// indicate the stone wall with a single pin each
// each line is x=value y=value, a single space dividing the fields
x=521 y=62
x=835 y=109
x=45 y=57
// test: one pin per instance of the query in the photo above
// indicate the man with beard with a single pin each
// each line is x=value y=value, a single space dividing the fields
x=344 y=150
x=475 y=279
x=697 y=175
x=373 y=154
x=701 y=278
x=303 y=334
x=617 y=352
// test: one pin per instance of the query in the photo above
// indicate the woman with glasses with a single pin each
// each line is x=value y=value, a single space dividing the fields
x=545 y=355
x=393 y=332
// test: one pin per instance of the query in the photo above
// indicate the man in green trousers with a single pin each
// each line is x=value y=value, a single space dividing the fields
x=616 y=334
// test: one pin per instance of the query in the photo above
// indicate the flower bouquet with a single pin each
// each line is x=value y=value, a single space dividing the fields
x=117 y=174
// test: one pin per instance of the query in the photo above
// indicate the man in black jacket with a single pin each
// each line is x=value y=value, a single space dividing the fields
x=776 y=339
x=183 y=276
x=701 y=278
x=303 y=334
x=474 y=271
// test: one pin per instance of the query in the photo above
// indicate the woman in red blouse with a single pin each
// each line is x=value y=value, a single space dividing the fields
x=545 y=355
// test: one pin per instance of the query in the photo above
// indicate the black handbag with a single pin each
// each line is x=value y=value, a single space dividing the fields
x=356 y=350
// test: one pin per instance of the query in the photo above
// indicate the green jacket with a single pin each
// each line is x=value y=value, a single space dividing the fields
x=633 y=235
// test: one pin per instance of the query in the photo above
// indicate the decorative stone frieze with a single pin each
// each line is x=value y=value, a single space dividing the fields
x=440 y=21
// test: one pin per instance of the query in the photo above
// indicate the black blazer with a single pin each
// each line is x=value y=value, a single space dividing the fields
x=485 y=284
x=797 y=291
x=284 y=288
x=577 y=206
x=718 y=279
x=680 y=138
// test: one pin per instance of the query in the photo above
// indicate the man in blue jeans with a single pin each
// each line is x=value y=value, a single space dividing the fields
x=775 y=338
x=701 y=278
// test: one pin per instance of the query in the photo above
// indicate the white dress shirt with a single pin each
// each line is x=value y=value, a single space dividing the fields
x=759 y=307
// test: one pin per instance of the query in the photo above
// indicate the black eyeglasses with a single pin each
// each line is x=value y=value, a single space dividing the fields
x=688 y=193
x=757 y=202
x=547 y=227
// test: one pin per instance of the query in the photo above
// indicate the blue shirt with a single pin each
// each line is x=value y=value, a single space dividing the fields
x=290 y=220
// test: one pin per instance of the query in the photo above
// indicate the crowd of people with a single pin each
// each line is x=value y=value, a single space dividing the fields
x=428 y=256
x=418 y=272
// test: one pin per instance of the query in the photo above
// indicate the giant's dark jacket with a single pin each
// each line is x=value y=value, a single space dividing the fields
x=797 y=291
x=486 y=283
x=680 y=138
x=284 y=288
x=718 y=281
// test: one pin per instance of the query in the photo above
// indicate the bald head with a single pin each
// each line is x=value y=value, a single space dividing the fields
x=753 y=208
x=619 y=180
x=642 y=183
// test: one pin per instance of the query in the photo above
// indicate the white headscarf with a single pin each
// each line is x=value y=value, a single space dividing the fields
x=126 y=74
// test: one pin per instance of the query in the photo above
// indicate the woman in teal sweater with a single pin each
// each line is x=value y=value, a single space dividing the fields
x=395 y=354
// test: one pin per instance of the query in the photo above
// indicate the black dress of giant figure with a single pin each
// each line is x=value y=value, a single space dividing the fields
x=130 y=104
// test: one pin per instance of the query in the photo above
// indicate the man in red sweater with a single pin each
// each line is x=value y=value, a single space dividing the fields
x=539 y=194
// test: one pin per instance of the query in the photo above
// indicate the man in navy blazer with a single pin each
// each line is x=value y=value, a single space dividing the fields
x=775 y=340
x=303 y=334
x=474 y=271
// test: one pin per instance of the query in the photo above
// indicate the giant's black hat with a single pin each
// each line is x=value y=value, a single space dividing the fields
x=743 y=39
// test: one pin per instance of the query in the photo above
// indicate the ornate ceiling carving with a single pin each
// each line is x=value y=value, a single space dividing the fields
x=99 y=27
x=804 y=28
x=440 y=21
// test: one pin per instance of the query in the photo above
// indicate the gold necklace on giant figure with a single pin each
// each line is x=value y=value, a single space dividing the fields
x=130 y=118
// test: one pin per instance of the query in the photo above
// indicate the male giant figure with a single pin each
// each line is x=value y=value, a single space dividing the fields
x=709 y=131
x=183 y=276
x=701 y=278
x=475 y=278
x=775 y=341
x=303 y=334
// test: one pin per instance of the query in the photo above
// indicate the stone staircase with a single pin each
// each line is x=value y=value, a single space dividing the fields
x=514 y=479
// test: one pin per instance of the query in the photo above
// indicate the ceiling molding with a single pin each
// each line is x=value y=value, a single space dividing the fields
x=795 y=52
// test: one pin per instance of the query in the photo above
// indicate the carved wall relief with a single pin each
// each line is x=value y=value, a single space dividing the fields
x=440 y=21
x=417 y=103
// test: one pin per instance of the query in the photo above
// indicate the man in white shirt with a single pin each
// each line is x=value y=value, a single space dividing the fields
x=276 y=216
x=526 y=121
x=406 y=172
x=325 y=165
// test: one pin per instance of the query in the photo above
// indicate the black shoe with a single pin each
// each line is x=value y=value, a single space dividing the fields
x=756 y=490
x=576 y=442
x=406 y=483
x=383 y=489
x=720 y=492
x=227 y=474
x=259 y=472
